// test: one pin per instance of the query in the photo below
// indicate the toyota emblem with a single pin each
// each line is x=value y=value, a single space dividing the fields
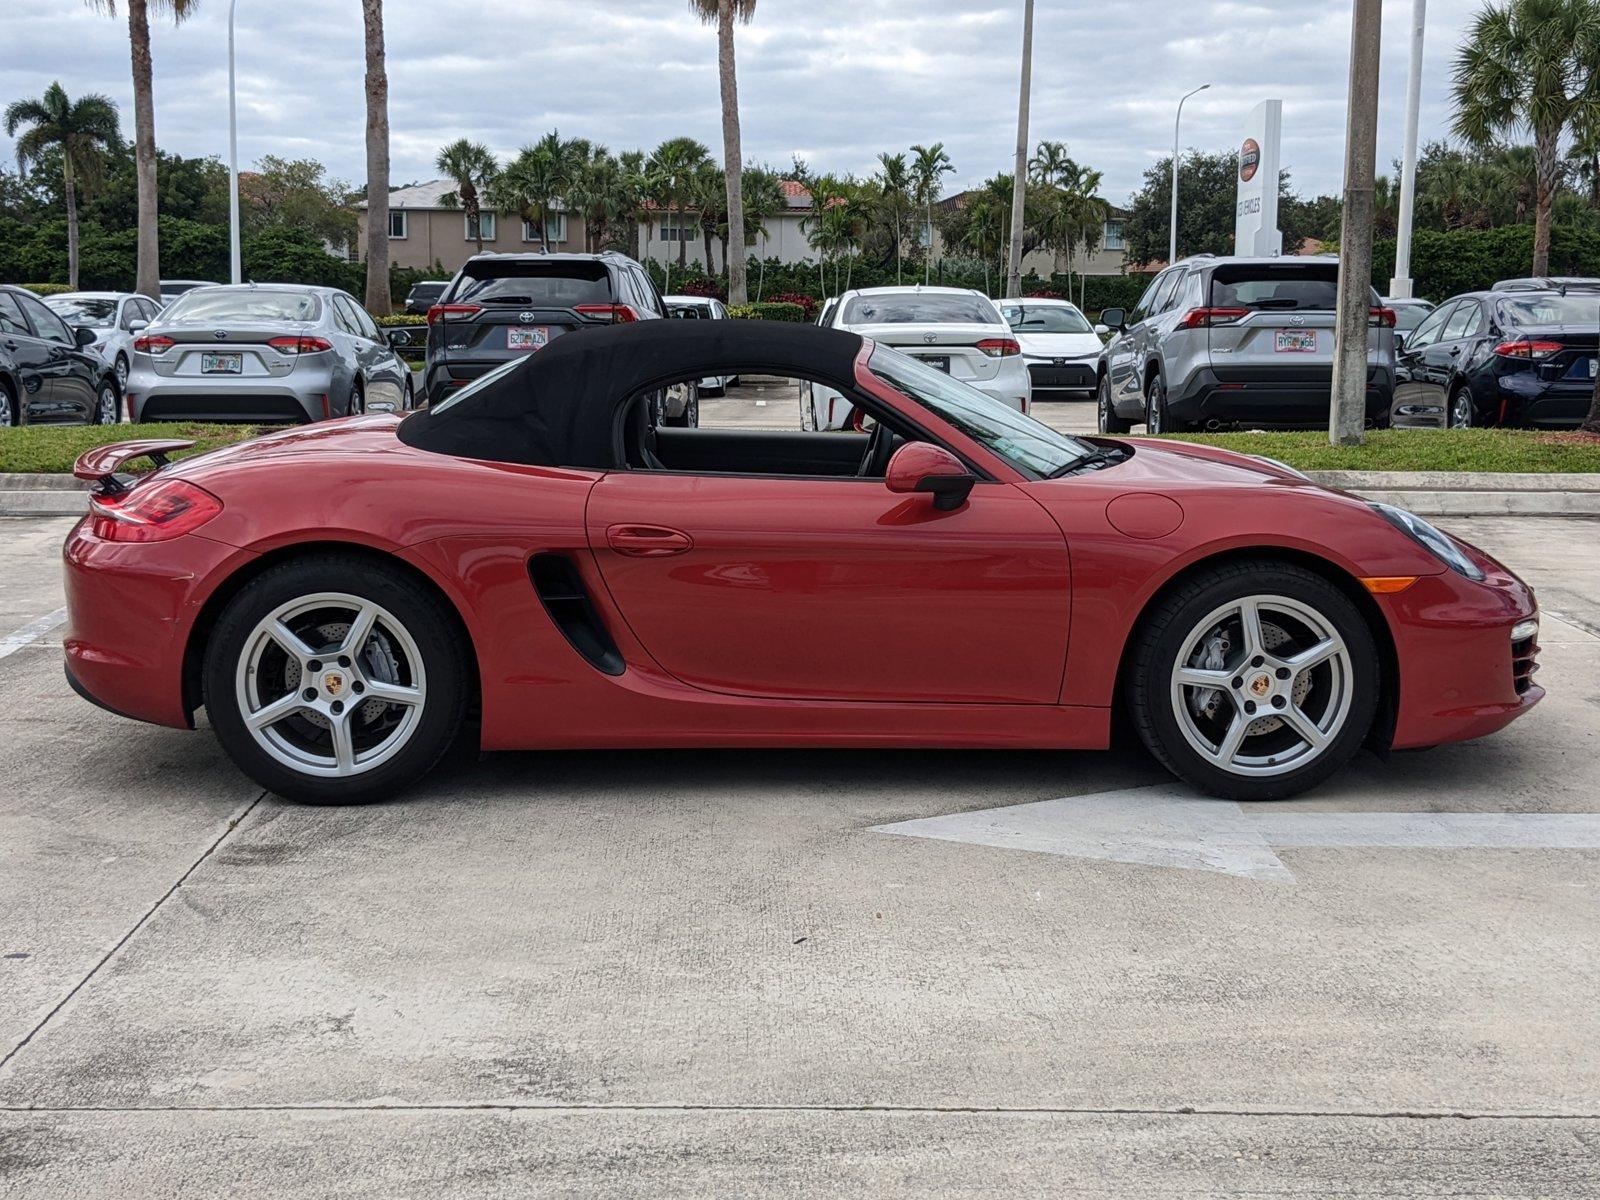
x=1297 y=320
x=220 y=334
x=525 y=317
x=930 y=338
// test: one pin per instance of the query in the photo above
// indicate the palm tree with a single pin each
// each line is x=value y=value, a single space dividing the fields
x=377 y=89
x=724 y=13
x=472 y=166
x=763 y=200
x=533 y=181
x=594 y=192
x=83 y=130
x=928 y=163
x=148 y=273
x=1049 y=162
x=709 y=192
x=635 y=186
x=1530 y=64
x=894 y=194
x=671 y=170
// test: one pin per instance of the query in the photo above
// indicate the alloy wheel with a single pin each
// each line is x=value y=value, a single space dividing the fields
x=1155 y=409
x=121 y=369
x=107 y=405
x=331 y=684
x=1262 y=686
x=1461 y=410
x=1104 y=397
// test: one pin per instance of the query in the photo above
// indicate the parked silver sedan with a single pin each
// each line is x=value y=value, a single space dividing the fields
x=266 y=353
x=115 y=319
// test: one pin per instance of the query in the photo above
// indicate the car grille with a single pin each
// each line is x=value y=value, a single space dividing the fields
x=1078 y=376
x=1524 y=662
x=240 y=407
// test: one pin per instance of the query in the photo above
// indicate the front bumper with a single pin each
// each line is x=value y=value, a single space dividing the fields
x=1461 y=676
x=130 y=610
x=1067 y=375
x=306 y=395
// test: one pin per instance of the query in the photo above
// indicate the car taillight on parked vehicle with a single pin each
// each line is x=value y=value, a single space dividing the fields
x=617 y=314
x=1000 y=347
x=153 y=345
x=1204 y=318
x=156 y=512
x=300 y=345
x=1528 y=349
x=1378 y=315
x=452 y=312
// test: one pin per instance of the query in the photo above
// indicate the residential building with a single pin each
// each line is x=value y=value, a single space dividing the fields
x=424 y=230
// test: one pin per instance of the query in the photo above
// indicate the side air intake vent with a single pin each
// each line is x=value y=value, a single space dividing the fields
x=567 y=601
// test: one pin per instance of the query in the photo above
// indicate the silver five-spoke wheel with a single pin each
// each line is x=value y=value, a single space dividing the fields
x=331 y=684
x=1262 y=686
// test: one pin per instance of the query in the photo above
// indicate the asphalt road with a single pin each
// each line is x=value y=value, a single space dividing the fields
x=767 y=403
x=694 y=974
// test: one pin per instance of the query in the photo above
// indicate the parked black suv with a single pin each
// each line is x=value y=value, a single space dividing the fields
x=425 y=295
x=1519 y=354
x=501 y=306
x=49 y=370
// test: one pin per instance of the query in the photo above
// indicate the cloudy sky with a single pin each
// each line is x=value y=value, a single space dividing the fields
x=835 y=81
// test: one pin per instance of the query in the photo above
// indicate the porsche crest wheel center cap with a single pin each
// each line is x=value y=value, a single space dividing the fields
x=333 y=683
x=1261 y=686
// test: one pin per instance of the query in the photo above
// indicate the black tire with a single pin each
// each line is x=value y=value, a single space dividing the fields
x=1461 y=413
x=1107 y=415
x=107 y=403
x=1170 y=624
x=1158 y=418
x=120 y=369
x=442 y=648
x=357 y=404
x=10 y=411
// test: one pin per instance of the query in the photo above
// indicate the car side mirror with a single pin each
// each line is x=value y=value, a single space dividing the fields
x=1102 y=330
x=137 y=324
x=398 y=337
x=1399 y=340
x=83 y=335
x=1114 y=318
x=924 y=467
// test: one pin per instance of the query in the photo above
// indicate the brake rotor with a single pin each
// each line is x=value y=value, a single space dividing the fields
x=377 y=662
x=1212 y=656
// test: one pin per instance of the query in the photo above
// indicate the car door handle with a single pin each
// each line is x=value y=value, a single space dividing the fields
x=647 y=541
x=1454 y=350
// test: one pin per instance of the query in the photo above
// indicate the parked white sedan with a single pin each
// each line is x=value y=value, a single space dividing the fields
x=114 y=317
x=1059 y=346
x=957 y=330
x=702 y=308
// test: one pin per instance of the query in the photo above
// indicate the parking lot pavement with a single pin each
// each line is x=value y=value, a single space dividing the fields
x=766 y=403
x=693 y=973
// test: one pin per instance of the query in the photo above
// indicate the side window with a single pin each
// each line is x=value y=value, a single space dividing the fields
x=363 y=319
x=1164 y=289
x=1477 y=323
x=1188 y=294
x=1460 y=320
x=1427 y=333
x=647 y=291
x=344 y=317
x=45 y=323
x=11 y=318
x=1143 y=308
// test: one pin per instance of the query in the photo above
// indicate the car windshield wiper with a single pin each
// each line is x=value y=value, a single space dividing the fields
x=1089 y=461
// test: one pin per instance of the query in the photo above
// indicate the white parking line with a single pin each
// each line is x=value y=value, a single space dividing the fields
x=31 y=632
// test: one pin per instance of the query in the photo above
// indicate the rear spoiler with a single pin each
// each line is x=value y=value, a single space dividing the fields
x=99 y=466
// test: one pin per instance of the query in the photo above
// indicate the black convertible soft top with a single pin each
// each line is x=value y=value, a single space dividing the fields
x=558 y=407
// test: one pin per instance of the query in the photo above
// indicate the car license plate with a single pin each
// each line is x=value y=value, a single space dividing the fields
x=940 y=362
x=531 y=337
x=221 y=364
x=1297 y=341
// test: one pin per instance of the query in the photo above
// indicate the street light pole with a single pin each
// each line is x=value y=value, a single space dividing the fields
x=1019 y=181
x=1348 y=410
x=1400 y=285
x=233 y=161
x=1172 y=241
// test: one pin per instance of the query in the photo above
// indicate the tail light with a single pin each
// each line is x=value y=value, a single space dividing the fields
x=157 y=344
x=453 y=312
x=156 y=512
x=1527 y=349
x=300 y=345
x=1377 y=315
x=1204 y=318
x=1000 y=347
x=617 y=314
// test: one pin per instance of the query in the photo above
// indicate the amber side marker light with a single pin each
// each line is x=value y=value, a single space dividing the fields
x=1388 y=585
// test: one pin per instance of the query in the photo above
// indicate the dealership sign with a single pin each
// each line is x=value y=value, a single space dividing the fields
x=1255 y=226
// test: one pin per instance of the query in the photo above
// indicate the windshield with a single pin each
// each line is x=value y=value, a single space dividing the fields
x=1032 y=448
x=558 y=284
x=1408 y=316
x=84 y=310
x=920 y=308
x=1551 y=308
x=242 y=304
x=1270 y=286
x=1044 y=318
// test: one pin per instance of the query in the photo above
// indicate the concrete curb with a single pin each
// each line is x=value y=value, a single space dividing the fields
x=1428 y=493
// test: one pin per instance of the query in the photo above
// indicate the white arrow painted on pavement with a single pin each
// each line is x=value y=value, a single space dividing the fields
x=1168 y=827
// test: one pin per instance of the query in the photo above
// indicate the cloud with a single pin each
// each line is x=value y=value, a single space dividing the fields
x=842 y=78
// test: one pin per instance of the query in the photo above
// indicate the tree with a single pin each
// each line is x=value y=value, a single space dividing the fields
x=894 y=195
x=376 y=83
x=671 y=169
x=148 y=275
x=709 y=196
x=82 y=130
x=537 y=178
x=928 y=165
x=472 y=167
x=1530 y=64
x=1207 y=187
x=724 y=13
x=763 y=200
x=295 y=194
x=1071 y=214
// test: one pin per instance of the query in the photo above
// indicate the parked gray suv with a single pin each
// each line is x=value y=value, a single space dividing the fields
x=1220 y=342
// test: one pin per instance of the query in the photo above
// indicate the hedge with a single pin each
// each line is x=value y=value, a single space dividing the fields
x=47 y=289
x=406 y=320
x=767 y=312
x=1470 y=260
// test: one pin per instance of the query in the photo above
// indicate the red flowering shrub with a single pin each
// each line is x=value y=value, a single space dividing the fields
x=806 y=302
x=704 y=287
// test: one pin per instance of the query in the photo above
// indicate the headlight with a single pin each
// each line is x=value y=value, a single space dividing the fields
x=1282 y=466
x=1441 y=545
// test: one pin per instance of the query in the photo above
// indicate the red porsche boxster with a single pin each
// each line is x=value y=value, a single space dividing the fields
x=536 y=559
